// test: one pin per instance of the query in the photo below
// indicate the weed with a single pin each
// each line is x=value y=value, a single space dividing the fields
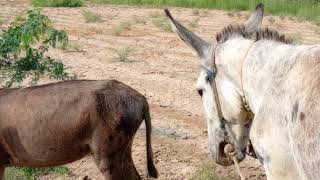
x=91 y=17
x=238 y=14
x=230 y=14
x=137 y=19
x=292 y=18
x=300 y=20
x=124 y=26
x=282 y=17
x=271 y=20
x=207 y=172
x=317 y=30
x=162 y=23
x=73 y=47
x=296 y=38
x=57 y=3
x=205 y=12
x=32 y=173
x=195 y=12
x=155 y=14
x=278 y=25
x=123 y=53
x=194 y=23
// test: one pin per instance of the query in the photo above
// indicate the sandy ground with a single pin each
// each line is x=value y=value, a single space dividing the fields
x=161 y=67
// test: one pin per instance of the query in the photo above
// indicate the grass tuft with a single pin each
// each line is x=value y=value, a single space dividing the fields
x=124 y=26
x=155 y=14
x=57 y=3
x=194 y=23
x=123 y=53
x=271 y=20
x=317 y=30
x=296 y=38
x=195 y=12
x=91 y=17
x=162 y=23
x=138 y=20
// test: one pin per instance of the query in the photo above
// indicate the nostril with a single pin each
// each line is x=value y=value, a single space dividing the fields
x=200 y=92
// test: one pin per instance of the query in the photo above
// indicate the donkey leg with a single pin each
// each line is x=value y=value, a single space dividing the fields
x=123 y=165
x=112 y=155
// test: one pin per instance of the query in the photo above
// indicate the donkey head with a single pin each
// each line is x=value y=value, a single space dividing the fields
x=237 y=119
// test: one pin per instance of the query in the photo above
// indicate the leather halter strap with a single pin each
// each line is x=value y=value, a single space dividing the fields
x=211 y=77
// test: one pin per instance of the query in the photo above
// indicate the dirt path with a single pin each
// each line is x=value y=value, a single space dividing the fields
x=161 y=67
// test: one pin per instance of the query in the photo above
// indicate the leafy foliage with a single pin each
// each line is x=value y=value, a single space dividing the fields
x=23 y=47
x=58 y=3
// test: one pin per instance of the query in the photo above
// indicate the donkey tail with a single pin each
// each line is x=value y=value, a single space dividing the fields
x=152 y=171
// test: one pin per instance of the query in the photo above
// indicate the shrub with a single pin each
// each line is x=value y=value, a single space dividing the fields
x=23 y=46
x=58 y=3
x=123 y=53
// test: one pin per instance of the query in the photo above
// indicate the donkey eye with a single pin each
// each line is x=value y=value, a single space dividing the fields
x=200 y=92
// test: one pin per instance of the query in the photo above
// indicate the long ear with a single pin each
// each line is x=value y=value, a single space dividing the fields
x=255 y=21
x=198 y=44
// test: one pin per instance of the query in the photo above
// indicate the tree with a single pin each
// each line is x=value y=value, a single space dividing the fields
x=23 y=47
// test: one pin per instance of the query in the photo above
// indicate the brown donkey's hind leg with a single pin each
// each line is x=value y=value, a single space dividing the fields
x=112 y=155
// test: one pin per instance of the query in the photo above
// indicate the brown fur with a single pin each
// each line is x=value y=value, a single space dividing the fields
x=59 y=123
x=240 y=30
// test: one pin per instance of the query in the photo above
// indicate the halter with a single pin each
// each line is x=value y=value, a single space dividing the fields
x=211 y=77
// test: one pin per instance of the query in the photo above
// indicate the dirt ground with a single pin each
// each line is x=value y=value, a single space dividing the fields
x=159 y=66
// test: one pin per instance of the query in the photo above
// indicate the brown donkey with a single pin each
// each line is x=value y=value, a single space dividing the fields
x=58 y=123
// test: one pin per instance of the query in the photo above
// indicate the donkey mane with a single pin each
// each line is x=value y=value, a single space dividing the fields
x=232 y=31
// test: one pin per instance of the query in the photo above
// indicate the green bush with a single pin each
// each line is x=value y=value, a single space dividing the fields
x=58 y=3
x=23 y=47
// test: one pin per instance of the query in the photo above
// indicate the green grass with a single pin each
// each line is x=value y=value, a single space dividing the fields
x=91 y=17
x=207 y=171
x=15 y=173
x=308 y=9
x=57 y=3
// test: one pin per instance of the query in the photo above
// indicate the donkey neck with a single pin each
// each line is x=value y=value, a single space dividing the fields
x=265 y=68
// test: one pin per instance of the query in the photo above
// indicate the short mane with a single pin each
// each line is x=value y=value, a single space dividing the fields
x=240 y=30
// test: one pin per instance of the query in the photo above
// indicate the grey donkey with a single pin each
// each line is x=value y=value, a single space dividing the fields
x=269 y=92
